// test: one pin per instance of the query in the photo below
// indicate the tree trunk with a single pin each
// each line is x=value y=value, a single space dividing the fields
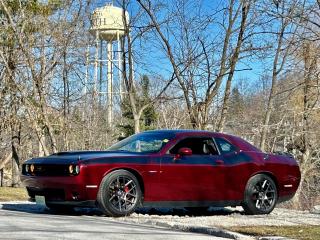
x=6 y=160
x=275 y=72
x=43 y=151
x=136 y=119
x=225 y=105
x=129 y=78
x=15 y=145
x=234 y=60
x=296 y=201
x=66 y=100
x=310 y=65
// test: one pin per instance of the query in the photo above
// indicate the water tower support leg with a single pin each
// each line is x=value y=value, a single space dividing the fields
x=96 y=59
x=100 y=72
x=85 y=90
x=109 y=83
x=119 y=66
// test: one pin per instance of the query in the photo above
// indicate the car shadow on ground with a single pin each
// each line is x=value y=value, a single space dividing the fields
x=197 y=212
x=39 y=209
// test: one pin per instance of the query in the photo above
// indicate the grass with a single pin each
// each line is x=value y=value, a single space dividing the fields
x=305 y=232
x=13 y=194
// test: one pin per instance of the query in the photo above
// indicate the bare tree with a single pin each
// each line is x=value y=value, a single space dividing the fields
x=306 y=141
x=128 y=74
x=283 y=13
x=199 y=89
x=233 y=61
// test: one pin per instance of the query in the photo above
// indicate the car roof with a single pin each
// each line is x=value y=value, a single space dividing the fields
x=190 y=132
x=187 y=131
x=239 y=142
x=177 y=131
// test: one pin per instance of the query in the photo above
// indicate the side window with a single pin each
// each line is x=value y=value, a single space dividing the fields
x=199 y=146
x=225 y=146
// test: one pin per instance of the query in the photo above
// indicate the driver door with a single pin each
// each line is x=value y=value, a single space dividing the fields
x=195 y=177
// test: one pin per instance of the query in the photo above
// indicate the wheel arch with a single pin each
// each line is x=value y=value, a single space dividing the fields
x=131 y=170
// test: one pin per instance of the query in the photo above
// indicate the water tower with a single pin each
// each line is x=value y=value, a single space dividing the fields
x=107 y=27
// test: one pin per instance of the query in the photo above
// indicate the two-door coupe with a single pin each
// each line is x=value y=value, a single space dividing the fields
x=175 y=168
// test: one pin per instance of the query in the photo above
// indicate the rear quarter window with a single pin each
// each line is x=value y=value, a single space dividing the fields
x=225 y=146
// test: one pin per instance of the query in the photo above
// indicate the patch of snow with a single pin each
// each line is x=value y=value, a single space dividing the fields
x=315 y=209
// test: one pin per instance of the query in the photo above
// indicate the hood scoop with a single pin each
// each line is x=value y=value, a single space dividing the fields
x=68 y=153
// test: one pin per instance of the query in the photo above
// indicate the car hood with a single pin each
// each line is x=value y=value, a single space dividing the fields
x=73 y=157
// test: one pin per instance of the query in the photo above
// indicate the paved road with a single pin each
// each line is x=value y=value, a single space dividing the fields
x=19 y=221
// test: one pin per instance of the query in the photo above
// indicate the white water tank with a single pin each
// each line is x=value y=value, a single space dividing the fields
x=108 y=21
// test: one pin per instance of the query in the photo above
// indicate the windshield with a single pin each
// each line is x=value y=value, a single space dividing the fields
x=143 y=142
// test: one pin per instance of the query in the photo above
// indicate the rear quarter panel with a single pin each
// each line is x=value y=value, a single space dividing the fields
x=238 y=174
x=283 y=169
x=286 y=172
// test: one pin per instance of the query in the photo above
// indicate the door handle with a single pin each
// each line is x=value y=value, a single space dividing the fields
x=219 y=162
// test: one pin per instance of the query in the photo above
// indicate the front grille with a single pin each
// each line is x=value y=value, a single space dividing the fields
x=47 y=170
x=53 y=194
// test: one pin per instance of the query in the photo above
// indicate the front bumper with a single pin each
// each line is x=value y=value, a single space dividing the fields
x=56 y=189
x=87 y=203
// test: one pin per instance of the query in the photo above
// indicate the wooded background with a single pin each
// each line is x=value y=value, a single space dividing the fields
x=247 y=67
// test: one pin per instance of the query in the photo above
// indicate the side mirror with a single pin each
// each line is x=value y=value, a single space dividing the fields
x=185 y=151
x=182 y=152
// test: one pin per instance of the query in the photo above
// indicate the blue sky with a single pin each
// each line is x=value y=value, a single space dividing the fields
x=152 y=60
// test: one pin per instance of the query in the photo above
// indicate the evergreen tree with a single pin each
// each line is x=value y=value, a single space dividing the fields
x=149 y=115
x=236 y=102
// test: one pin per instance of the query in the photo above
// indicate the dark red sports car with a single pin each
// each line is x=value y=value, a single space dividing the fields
x=175 y=168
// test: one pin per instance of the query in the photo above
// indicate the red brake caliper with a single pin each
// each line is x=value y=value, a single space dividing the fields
x=126 y=189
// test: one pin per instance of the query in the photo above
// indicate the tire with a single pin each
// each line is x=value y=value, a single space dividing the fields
x=119 y=194
x=260 y=195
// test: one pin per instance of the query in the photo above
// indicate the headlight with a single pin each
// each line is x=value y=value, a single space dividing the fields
x=31 y=168
x=74 y=169
x=27 y=168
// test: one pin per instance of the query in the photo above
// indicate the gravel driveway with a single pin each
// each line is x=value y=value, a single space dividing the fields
x=45 y=225
x=215 y=217
x=212 y=220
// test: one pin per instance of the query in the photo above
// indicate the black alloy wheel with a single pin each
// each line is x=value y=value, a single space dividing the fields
x=119 y=193
x=260 y=195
